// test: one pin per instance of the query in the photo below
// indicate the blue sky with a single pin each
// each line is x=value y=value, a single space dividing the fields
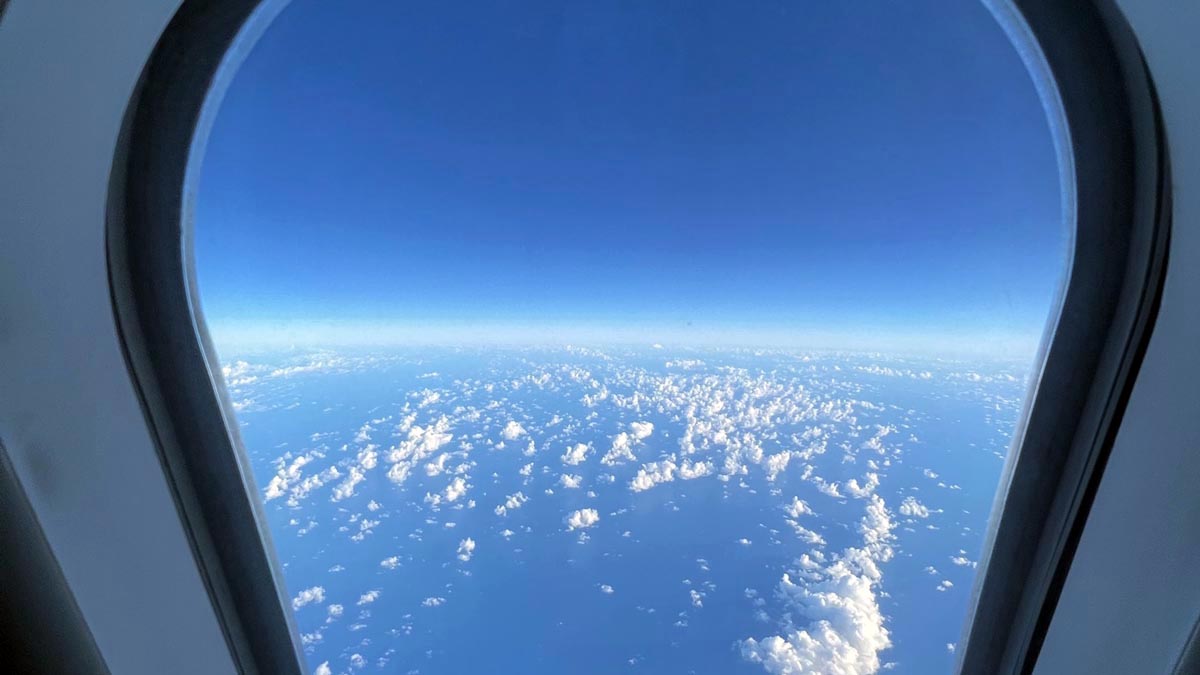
x=827 y=174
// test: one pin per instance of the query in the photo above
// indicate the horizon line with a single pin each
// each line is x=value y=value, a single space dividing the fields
x=929 y=341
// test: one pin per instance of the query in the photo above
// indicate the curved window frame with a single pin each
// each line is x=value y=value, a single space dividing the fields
x=1121 y=183
x=1114 y=163
x=167 y=348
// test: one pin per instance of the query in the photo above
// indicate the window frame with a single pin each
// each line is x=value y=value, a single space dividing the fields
x=1118 y=174
x=1121 y=183
x=171 y=359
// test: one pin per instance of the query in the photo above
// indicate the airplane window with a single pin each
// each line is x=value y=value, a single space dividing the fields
x=630 y=337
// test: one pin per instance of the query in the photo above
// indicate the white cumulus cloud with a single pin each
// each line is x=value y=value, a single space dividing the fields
x=512 y=431
x=308 y=596
x=466 y=548
x=641 y=430
x=582 y=519
x=513 y=501
x=913 y=508
x=845 y=630
x=576 y=454
x=668 y=470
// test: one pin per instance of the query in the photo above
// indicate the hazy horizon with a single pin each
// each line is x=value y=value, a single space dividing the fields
x=336 y=334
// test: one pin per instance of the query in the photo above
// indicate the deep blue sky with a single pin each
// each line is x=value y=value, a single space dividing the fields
x=842 y=172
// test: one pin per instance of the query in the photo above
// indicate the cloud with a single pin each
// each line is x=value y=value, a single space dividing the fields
x=390 y=563
x=346 y=488
x=621 y=450
x=323 y=669
x=420 y=444
x=845 y=629
x=512 y=431
x=582 y=519
x=437 y=466
x=962 y=560
x=667 y=470
x=913 y=508
x=312 y=638
x=466 y=548
x=864 y=490
x=239 y=373
x=624 y=442
x=740 y=425
x=606 y=589
x=576 y=454
x=456 y=489
x=513 y=501
x=776 y=464
x=290 y=480
x=368 y=597
x=308 y=596
x=798 y=507
x=804 y=534
x=433 y=602
x=641 y=430
x=316 y=364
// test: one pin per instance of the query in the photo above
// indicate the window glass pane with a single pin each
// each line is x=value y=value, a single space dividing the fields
x=629 y=337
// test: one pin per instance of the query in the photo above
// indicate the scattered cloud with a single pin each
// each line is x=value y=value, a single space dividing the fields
x=582 y=519
x=845 y=630
x=511 y=502
x=466 y=548
x=641 y=430
x=912 y=508
x=512 y=431
x=316 y=594
x=798 y=507
x=576 y=454
x=666 y=471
